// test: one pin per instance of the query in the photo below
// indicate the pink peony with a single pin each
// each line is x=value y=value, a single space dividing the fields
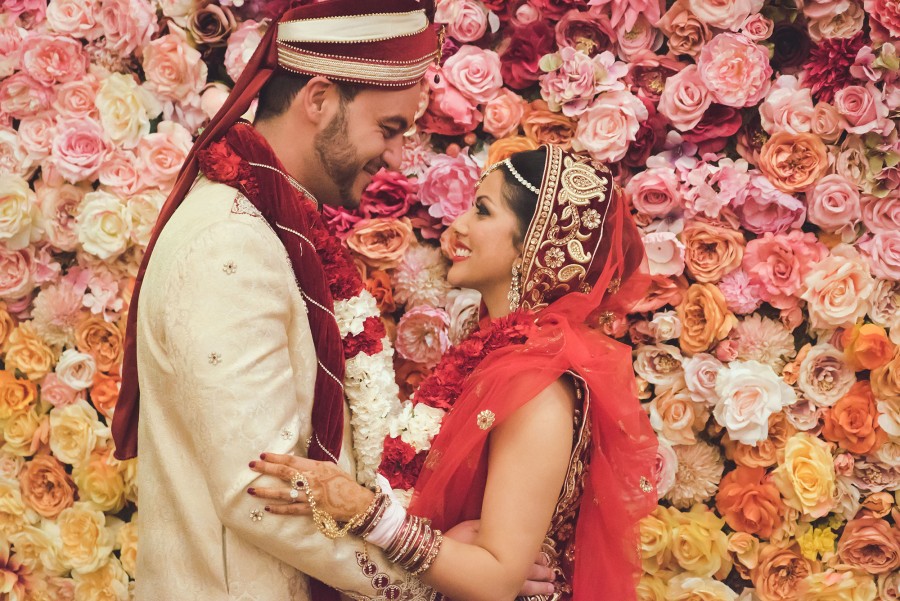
x=884 y=18
x=127 y=25
x=864 y=109
x=22 y=96
x=590 y=32
x=79 y=149
x=635 y=41
x=834 y=205
x=684 y=99
x=52 y=60
x=503 y=113
x=449 y=111
x=423 y=335
x=655 y=192
x=475 y=73
x=448 y=186
x=25 y=11
x=466 y=19
x=736 y=70
x=390 y=194
x=761 y=207
x=778 y=263
x=607 y=128
x=882 y=251
x=741 y=293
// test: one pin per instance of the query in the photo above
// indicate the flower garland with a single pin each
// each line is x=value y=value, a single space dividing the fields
x=419 y=420
x=369 y=374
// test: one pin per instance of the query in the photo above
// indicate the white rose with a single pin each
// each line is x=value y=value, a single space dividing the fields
x=19 y=214
x=687 y=587
x=659 y=364
x=126 y=109
x=665 y=325
x=76 y=369
x=104 y=225
x=824 y=375
x=700 y=374
x=144 y=210
x=75 y=431
x=749 y=392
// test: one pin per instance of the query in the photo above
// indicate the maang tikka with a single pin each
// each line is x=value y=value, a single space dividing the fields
x=515 y=288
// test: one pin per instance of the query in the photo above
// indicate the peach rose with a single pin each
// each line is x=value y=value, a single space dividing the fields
x=838 y=586
x=853 y=421
x=725 y=14
x=502 y=113
x=676 y=417
x=837 y=289
x=686 y=587
x=127 y=542
x=863 y=109
x=543 y=126
x=705 y=318
x=806 y=477
x=866 y=346
x=827 y=122
x=685 y=32
x=102 y=340
x=160 y=155
x=684 y=99
x=174 y=71
x=767 y=452
x=15 y=394
x=506 y=147
x=749 y=501
x=105 y=393
x=779 y=572
x=757 y=27
x=46 y=487
x=27 y=352
x=663 y=291
x=878 y=504
x=7 y=325
x=793 y=162
x=885 y=380
x=712 y=250
x=381 y=242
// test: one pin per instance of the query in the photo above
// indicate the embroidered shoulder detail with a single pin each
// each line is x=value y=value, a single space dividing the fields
x=243 y=206
x=407 y=589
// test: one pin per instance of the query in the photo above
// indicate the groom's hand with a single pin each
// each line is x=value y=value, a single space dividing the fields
x=540 y=577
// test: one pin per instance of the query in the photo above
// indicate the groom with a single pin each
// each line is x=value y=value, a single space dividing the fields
x=232 y=345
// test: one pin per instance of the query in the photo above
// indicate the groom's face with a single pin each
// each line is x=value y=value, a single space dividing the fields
x=364 y=135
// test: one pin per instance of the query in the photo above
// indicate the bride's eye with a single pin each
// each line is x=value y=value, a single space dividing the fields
x=480 y=208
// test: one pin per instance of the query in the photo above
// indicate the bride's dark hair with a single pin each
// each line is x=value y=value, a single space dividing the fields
x=530 y=164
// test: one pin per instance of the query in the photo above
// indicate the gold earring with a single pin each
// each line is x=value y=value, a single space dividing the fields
x=514 y=295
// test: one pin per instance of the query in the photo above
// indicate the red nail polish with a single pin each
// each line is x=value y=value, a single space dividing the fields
x=251 y=491
x=262 y=456
x=252 y=464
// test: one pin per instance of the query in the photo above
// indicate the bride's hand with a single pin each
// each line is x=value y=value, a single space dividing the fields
x=333 y=490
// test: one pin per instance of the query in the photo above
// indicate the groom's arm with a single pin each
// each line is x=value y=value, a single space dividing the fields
x=230 y=350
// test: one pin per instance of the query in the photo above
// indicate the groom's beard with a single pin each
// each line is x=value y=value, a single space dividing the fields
x=338 y=156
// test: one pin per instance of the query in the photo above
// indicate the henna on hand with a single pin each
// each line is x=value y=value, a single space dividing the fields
x=336 y=493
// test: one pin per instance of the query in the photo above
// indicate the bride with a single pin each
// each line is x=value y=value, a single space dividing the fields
x=546 y=443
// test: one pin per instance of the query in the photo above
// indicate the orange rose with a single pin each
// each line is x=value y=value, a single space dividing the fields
x=15 y=395
x=664 y=290
x=749 y=501
x=878 y=504
x=379 y=285
x=779 y=573
x=685 y=31
x=543 y=126
x=105 y=392
x=46 y=487
x=29 y=353
x=711 y=250
x=766 y=453
x=381 y=242
x=870 y=544
x=409 y=375
x=505 y=147
x=101 y=340
x=793 y=162
x=852 y=422
x=886 y=380
x=7 y=325
x=866 y=346
x=705 y=319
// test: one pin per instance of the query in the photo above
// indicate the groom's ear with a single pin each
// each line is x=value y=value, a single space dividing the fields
x=317 y=101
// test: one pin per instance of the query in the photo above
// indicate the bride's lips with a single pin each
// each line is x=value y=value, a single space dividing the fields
x=459 y=252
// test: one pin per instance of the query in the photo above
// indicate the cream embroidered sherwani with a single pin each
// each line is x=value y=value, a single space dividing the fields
x=227 y=365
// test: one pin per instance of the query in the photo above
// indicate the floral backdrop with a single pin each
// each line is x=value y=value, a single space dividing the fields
x=756 y=141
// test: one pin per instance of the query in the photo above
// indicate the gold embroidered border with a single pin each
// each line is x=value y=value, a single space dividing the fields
x=353 y=68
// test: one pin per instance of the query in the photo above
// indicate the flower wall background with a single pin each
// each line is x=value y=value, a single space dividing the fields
x=757 y=142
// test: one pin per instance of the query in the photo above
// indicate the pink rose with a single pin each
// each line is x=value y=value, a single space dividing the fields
x=16 y=267
x=736 y=70
x=503 y=113
x=242 y=44
x=778 y=263
x=884 y=18
x=449 y=112
x=120 y=173
x=13 y=156
x=448 y=187
x=881 y=214
x=788 y=107
x=423 y=335
x=73 y=18
x=76 y=99
x=827 y=122
x=863 y=109
x=837 y=289
x=724 y=14
x=833 y=205
x=22 y=96
x=665 y=468
x=79 y=149
x=11 y=38
x=684 y=99
x=700 y=372
x=757 y=27
x=127 y=25
x=607 y=128
x=161 y=155
x=173 y=69
x=58 y=394
x=58 y=205
x=27 y=12
x=665 y=253
x=36 y=134
x=882 y=251
x=340 y=221
x=761 y=207
x=636 y=40
x=213 y=97
x=475 y=73
x=466 y=19
x=390 y=194
x=52 y=60
x=655 y=192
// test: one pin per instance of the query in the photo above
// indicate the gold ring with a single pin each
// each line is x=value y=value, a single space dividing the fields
x=299 y=481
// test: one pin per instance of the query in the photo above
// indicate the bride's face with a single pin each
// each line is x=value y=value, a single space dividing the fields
x=483 y=241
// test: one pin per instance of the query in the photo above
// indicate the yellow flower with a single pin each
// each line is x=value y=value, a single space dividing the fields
x=806 y=477
x=85 y=541
x=100 y=480
x=699 y=545
x=817 y=541
x=27 y=352
x=839 y=586
x=127 y=543
x=106 y=583
x=656 y=539
x=651 y=588
x=686 y=587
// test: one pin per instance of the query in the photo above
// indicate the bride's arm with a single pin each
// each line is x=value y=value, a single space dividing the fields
x=527 y=461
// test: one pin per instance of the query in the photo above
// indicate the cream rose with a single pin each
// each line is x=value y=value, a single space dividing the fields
x=749 y=392
x=125 y=109
x=126 y=540
x=19 y=214
x=75 y=430
x=806 y=477
x=686 y=587
x=824 y=375
x=75 y=369
x=837 y=289
x=699 y=544
x=104 y=225
x=838 y=586
x=85 y=541
x=144 y=210
x=100 y=481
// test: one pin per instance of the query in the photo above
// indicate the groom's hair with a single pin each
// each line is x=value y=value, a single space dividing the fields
x=279 y=92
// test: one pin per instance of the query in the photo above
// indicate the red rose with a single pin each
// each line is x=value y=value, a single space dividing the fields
x=718 y=124
x=400 y=463
x=390 y=194
x=554 y=9
x=519 y=63
x=648 y=139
